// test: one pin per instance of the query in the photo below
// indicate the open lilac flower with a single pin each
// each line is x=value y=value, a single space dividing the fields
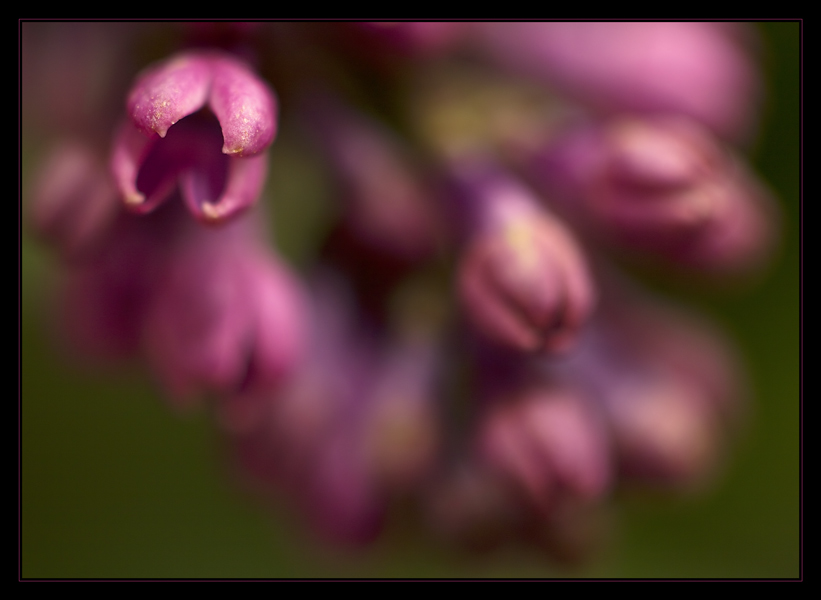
x=216 y=158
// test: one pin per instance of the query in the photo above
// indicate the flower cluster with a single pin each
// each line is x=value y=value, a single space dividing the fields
x=468 y=344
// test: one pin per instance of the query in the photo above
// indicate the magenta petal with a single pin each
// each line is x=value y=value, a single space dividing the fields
x=490 y=312
x=245 y=106
x=167 y=92
x=505 y=445
x=197 y=329
x=572 y=442
x=242 y=187
x=73 y=203
x=693 y=69
x=130 y=149
x=279 y=324
x=341 y=498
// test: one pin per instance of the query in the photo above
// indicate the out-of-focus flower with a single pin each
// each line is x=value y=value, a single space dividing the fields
x=663 y=186
x=668 y=386
x=226 y=315
x=106 y=289
x=539 y=469
x=522 y=278
x=386 y=200
x=219 y=165
x=74 y=201
x=547 y=441
x=694 y=69
x=353 y=428
x=73 y=76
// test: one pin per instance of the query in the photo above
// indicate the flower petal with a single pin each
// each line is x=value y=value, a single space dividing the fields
x=128 y=154
x=167 y=92
x=245 y=106
x=242 y=186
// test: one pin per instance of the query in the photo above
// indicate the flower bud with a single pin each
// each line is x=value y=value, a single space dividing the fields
x=668 y=388
x=226 y=317
x=548 y=443
x=663 y=186
x=73 y=204
x=522 y=279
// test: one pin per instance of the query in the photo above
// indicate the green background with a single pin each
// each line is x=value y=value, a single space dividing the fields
x=113 y=484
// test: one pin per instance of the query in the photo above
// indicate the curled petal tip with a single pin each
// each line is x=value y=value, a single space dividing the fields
x=244 y=182
x=211 y=212
x=134 y=200
x=245 y=106
x=217 y=213
x=168 y=92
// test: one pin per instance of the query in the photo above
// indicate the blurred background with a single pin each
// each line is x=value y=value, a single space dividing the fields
x=113 y=484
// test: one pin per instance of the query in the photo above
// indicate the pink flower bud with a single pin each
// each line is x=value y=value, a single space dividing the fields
x=522 y=279
x=548 y=443
x=73 y=204
x=667 y=386
x=225 y=317
x=663 y=186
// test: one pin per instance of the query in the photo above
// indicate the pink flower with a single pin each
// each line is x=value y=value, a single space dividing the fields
x=108 y=287
x=700 y=70
x=219 y=164
x=666 y=383
x=662 y=185
x=226 y=315
x=73 y=204
x=547 y=441
x=522 y=279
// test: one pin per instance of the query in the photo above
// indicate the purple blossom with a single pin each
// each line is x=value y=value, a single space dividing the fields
x=352 y=429
x=74 y=202
x=220 y=165
x=694 y=69
x=547 y=440
x=522 y=277
x=226 y=315
x=661 y=186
